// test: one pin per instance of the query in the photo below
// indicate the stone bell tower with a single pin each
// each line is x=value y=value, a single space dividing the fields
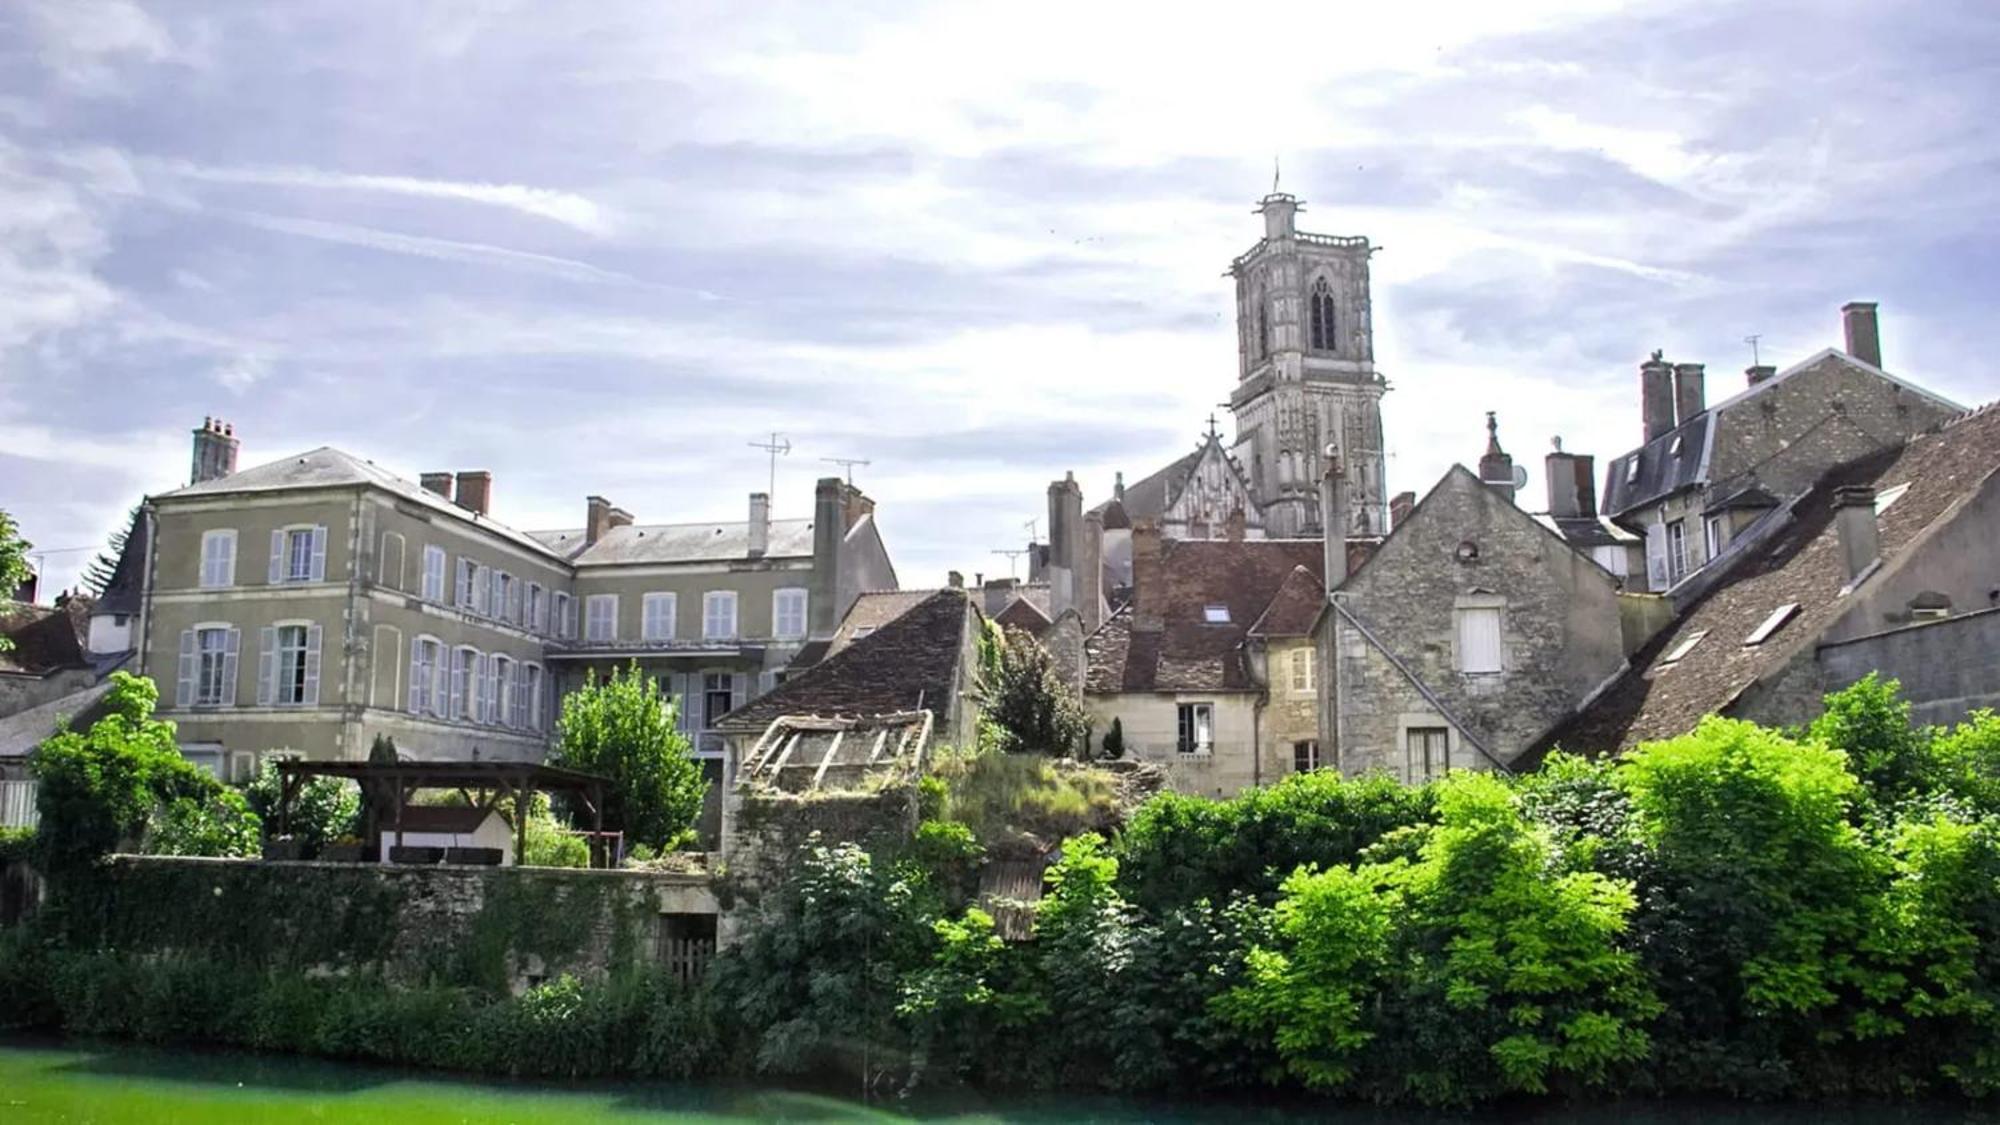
x=1306 y=374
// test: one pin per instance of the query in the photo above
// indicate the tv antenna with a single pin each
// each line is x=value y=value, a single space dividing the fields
x=1751 y=339
x=1011 y=556
x=1032 y=526
x=777 y=447
x=847 y=463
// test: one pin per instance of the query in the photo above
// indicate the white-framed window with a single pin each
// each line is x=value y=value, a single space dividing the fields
x=464 y=700
x=533 y=685
x=427 y=669
x=718 y=697
x=536 y=617
x=1428 y=753
x=1677 y=551
x=1196 y=723
x=218 y=558
x=500 y=690
x=1302 y=669
x=1479 y=631
x=468 y=577
x=1305 y=756
x=433 y=590
x=298 y=554
x=288 y=665
x=788 y=613
x=389 y=560
x=562 y=606
x=600 y=617
x=1716 y=535
x=207 y=666
x=718 y=615
x=659 y=609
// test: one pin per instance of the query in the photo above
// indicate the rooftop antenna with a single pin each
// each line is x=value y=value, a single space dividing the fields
x=1011 y=556
x=1032 y=526
x=1751 y=339
x=777 y=447
x=1274 y=173
x=848 y=463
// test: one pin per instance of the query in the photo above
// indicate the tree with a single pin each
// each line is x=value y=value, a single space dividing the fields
x=323 y=810
x=1114 y=740
x=1034 y=709
x=14 y=568
x=97 y=576
x=625 y=729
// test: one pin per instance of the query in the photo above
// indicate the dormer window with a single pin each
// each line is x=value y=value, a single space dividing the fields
x=1321 y=307
x=1215 y=614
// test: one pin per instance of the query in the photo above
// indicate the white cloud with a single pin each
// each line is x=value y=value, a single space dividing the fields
x=567 y=208
x=242 y=373
x=439 y=249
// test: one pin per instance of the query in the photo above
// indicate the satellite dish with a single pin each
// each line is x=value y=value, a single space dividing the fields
x=1333 y=449
x=1520 y=478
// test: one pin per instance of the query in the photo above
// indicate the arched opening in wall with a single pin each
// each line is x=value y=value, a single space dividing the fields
x=1321 y=304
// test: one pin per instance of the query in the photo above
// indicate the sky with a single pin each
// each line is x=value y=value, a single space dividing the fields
x=603 y=248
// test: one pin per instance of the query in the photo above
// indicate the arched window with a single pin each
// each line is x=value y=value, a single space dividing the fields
x=1322 y=316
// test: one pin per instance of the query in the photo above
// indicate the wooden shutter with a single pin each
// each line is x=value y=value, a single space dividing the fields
x=455 y=697
x=230 y=644
x=277 y=556
x=184 y=684
x=312 y=666
x=416 y=676
x=1479 y=647
x=319 y=554
x=267 y=666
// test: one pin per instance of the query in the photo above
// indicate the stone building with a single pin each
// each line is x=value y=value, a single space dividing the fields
x=1706 y=474
x=307 y=605
x=1885 y=564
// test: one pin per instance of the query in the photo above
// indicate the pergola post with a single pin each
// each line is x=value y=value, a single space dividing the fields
x=522 y=798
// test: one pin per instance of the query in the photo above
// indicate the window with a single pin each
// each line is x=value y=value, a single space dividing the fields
x=500 y=690
x=1302 y=669
x=718 y=691
x=298 y=554
x=537 y=616
x=1197 y=728
x=601 y=617
x=1632 y=470
x=1215 y=614
x=718 y=614
x=290 y=676
x=1771 y=624
x=389 y=561
x=788 y=614
x=433 y=574
x=504 y=592
x=218 y=558
x=1479 y=648
x=658 y=612
x=1263 y=328
x=464 y=700
x=1322 y=316
x=565 y=622
x=426 y=668
x=1305 y=756
x=531 y=691
x=1429 y=750
x=207 y=667
x=1715 y=532
x=1679 y=652
x=468 y=579
x=1677 y=560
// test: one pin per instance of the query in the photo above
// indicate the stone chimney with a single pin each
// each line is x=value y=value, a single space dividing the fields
x=855 y=506
x=954 y=580
x=215 y=448
x=1656 y=396
x=1864 y=336
x=1333 y=501
x=1690 y=394
x=475 y=491
x=1065 y=546
x=1568 y=479
x=1757 y=373
x=440 y=483
x=596 y=520
x=760 y=524
x=997 y=594
x=1149 y=577
x=1090 y=574
x=1496 y=468
x=1400 y=508
x=620 y=518
x=829 y=533
x=1854 y=518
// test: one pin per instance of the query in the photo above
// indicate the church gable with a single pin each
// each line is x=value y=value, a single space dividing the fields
x=1212 y=493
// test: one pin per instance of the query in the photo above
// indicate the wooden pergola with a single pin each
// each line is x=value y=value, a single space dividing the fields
x=485 y=785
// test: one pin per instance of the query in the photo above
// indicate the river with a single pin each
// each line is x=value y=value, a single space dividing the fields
x=120 y=1085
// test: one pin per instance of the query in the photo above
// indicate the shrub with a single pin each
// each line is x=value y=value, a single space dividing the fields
x=625 y=729
x=1035 y=711
x=324 y=809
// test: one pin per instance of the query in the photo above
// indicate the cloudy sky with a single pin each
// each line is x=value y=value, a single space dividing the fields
x=601 y=248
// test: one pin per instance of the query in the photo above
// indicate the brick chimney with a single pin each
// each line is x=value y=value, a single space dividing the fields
x=1854 y=519
x=215 y=448
x=1864 y=335
x=829 y=533
x=1400 y=508
x=1656 y=396
x=475 y=491
x=1496 y=467
x=1568 y=479
x=439 y=483
x=1333 y=502
x=760 y=524
x=596 y=520
x=1690 y=393
x=1757 y=373
x=857 y=505
x=1149 y=577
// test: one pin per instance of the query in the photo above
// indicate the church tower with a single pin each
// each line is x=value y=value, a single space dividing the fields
x=1306 y=374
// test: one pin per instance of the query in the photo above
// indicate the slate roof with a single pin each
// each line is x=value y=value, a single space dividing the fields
x=22 y=731
x=907 y=664
x=122 y=593
x=1585 y=532
x=872 y=610
x=1188 y=653
x=1294 y=607
x=45 y=639
x=1802 y=563
x=1148 y=498
x=1021 y=613
x=636 y=544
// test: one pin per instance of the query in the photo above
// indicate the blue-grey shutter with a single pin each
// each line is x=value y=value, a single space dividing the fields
x=319 y=554
x=312 y=666
x=267 y=666
x=229 y=667
x=416 y=705
x=490 y=710
x=277 y=556
x=455 y=699
x=184 y=685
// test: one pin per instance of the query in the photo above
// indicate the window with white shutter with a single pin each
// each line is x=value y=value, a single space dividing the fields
x=300 y=554
x=468 y=573
x=464 y=698
x=718 y=615
x=536 y=685
x=561 y=627
x=660 y=611
x=788 y=614
x=535 y=616
x=427 y=671
x=482 y=590
x=600 y=617
x=294 y=665
x=1479 y=644
x=500 y=690
x=433 y=574
x=184 y=682
x=214 y=660
x=218 y=558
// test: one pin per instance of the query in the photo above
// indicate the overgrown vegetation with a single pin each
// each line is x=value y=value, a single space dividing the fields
x=1029 y=705
x=325 y=809
x=625 y=728
x=1002 y=797
x=14 y=568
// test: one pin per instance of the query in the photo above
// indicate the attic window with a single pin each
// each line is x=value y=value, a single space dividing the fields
x=1889 y=496
x=1679 y=651
x=1674 y=450
x=1771 y=624
x=1632 y=470
x=1215 y=614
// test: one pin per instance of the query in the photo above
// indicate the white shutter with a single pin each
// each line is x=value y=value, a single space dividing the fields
x=1656 y=557
x=319 y=554
x=455 y=701
x=416 y=705
x=277 y=556
x=184 y=684
x=1479 y=648
x=312 y=666
x=234 y=638
x=267 y=665
x=489 y=703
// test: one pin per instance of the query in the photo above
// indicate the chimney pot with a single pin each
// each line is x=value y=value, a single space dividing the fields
x=1333 y=539
x=1400 y=508
x=1854 y=517
x=1864 y=334
x=954 y=579
x=214 y=452
x=1757 y=373
x=475 y=491
x=1656 y=396
x=439 y=483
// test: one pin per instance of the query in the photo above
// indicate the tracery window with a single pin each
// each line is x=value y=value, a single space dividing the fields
x=1322 y=316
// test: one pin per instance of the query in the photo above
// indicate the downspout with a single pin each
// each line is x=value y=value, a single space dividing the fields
x=1422 y=688
x=144 y=626
x=350 y=739
x=1332 y=664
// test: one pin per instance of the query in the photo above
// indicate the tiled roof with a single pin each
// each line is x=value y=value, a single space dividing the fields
x=45 y=639
x=908 y=664
x=1294 y=608
x=870 y=612
x=1667 y=464
x=1189 y=652
x=636 y=544
x=1801 y=564
x=1021 y=613
x=1585 y=532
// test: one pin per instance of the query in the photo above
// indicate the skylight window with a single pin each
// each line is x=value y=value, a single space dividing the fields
x=1215 y=614
x=1771 y=624
x=1889 y=496
x=1674 y=450
x=1632 y=470
x=1681 y=650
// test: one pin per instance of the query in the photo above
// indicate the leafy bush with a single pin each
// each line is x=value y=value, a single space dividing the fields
x=1114 y=740
x=1035 y=710
x=624 y=728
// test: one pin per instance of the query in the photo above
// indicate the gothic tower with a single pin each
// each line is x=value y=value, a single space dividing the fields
x=1306 y=374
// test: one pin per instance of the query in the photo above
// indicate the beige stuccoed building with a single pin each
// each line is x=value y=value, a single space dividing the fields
x=307 y=605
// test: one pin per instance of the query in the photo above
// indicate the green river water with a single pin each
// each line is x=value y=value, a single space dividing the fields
x=117 y=1085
